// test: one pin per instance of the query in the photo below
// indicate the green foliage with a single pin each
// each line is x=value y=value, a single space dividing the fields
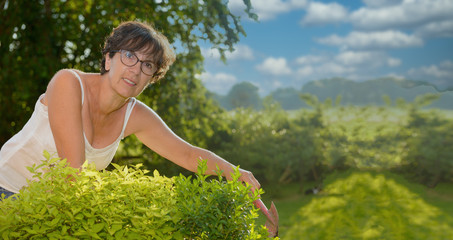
x=365 y=205
x=425 y=100
x=64 y=203
x=223 y=210
x=428 y=157
x=255 y=138
x=277 y=150
x=363 y=137
x=280 y=149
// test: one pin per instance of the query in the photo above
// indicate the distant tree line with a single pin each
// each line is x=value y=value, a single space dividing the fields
x=379 y=92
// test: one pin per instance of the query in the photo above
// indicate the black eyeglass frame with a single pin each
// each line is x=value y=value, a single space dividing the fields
x=138 y=60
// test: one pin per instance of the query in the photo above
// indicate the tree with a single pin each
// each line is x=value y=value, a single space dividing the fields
x=288 y=98
x=244 y=95
x=37 y=38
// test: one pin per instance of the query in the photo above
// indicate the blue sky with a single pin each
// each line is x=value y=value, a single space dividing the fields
x=297 y=41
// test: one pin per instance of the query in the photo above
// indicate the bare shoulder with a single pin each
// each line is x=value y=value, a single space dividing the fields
x=63 y=83
x=143 y=112
x=143 y=117
x=65 y=76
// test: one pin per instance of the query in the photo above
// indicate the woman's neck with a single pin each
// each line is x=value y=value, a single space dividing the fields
x=104 y=100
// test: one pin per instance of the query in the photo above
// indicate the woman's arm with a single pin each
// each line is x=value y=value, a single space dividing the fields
x=63 y=98
x=155 y=134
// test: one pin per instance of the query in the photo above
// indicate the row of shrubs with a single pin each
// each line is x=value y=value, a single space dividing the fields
x=310 y=144
x=125 y=203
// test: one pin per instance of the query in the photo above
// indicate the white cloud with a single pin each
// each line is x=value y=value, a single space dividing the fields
x=381 y=3
x=210 y=53
x=396 y=76
x=373 y=40
x=310 y=59
x=356 y=58
x=305 y=71
x=298 y=3
x=408 y=14
x=336 y=69
x=371 y=59
x=267 y=9
x=219 y=82
x=241 y=51
x=355 y=65
x=441 y=74
x=322 y=13
x=436 y=29
x=274 y=66
x=276 y=84
x=393 y=62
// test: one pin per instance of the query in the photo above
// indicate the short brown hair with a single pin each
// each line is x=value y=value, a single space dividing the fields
x=138 y=36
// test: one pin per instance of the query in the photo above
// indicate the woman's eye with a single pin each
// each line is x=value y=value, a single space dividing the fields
x=129 y=54
x=148 y=65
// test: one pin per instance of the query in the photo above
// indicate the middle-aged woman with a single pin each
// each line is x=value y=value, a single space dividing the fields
x=83 y=116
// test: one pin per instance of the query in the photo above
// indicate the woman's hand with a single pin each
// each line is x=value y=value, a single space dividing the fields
x=247 y=176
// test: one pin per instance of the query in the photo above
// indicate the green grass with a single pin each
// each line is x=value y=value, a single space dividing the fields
x=288 y=199
x=441 y=196
x=414 y=208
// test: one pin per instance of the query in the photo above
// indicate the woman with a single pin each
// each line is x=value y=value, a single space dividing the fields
x=83 y=116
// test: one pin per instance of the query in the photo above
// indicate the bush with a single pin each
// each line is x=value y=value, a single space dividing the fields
x=127 y=204
x=216 y=209
x=428 y=157
x=256 y=138
x=276 y=149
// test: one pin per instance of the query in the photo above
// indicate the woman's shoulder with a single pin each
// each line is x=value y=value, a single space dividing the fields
x=75 y=72
x=141 y=108
x=66 y=74
x=65 y=81
x=72 y=73
x=72 y=76
x=142 y=117
x=64 y=78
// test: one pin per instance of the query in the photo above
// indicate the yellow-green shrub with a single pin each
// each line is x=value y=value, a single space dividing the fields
x=125 y=203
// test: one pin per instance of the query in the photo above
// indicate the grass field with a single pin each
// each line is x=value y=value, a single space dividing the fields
x=291 y=201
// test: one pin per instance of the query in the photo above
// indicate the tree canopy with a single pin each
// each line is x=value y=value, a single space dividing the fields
x=244 y=95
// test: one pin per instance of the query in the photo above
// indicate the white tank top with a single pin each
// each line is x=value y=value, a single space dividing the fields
x=27 y=146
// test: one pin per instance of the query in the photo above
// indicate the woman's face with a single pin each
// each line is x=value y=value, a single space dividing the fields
x=130 y=72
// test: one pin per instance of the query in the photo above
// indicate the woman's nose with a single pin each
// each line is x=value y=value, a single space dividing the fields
x=136 y=68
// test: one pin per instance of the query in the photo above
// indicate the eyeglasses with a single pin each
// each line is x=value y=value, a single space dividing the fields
x=129 y=59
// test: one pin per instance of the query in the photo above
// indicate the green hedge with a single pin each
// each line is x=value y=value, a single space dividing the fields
x=311 y=144
x=128 y=204
x=428 y=157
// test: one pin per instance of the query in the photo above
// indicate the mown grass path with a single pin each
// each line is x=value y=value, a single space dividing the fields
x=367 y=205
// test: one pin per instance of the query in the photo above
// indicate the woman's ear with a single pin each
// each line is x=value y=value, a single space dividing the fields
x=107 y=61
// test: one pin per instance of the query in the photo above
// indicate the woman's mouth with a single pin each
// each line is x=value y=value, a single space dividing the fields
x=129 y=82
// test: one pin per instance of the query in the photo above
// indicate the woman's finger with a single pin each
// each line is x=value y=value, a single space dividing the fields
x=247 y=176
